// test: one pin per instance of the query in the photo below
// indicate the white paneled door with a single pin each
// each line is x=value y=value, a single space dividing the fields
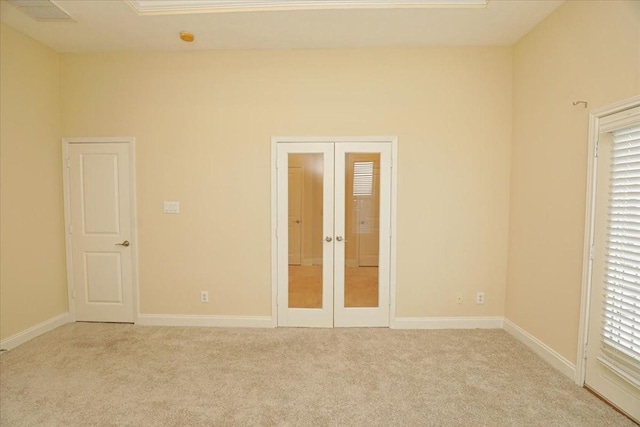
x=101 y=230
x=341 y=276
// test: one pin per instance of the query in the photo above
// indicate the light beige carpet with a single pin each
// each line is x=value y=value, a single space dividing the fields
x=114 y=375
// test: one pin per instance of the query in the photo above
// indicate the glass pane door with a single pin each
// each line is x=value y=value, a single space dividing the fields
x=612 y=366
x=305 y=234
x=362 y=229
x=333 y=233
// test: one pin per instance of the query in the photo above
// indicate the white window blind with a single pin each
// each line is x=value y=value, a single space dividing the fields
x=620 y=349
x=363 y=178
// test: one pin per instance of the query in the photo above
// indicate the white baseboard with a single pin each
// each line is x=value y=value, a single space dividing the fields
x=551 y=356
x=34 y=331
x=206 y=320
x=448 y=323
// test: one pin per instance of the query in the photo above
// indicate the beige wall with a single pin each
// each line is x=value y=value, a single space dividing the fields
x=583 y=51
x=203 y=123
x=33 y=274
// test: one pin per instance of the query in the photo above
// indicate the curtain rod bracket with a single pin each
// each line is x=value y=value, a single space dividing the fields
x=581 y=102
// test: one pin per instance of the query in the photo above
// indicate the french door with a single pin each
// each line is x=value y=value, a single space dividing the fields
x=612 y=356
x=334 y=215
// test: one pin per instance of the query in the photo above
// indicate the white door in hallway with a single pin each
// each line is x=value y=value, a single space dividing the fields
x=101 y=232
x=613 y=350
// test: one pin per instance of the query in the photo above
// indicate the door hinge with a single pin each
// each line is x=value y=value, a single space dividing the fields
x=592 y=252
x=597 y=148
x=68 y=163
x=70 y=229
x=73 y=293
x=586 y=347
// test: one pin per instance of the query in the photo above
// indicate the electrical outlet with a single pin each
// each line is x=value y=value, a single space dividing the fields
x=458 y=297
x=480 y=298
x=204 y=296
x=171 y=207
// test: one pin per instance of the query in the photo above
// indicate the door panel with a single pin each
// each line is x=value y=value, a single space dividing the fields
x=103 y=277
x=362 y=228
x=100 y=193
x=600 y=375
x=99 y=188
x=305 y=291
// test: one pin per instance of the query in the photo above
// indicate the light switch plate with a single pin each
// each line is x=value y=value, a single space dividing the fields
x=171 y=207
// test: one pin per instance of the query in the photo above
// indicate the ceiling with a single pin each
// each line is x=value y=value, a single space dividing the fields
x=115 y=25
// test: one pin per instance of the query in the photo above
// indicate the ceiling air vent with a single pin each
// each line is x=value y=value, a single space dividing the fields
x=42 y=10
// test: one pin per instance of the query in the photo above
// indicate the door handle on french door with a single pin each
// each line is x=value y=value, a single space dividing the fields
x=340 y=239
x=125 y=243
x=328 y=239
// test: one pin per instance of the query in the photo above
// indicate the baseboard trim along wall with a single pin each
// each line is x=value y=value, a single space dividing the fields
x=448 y=323
x=34 y=331
x=204 y=320
x=541 y=349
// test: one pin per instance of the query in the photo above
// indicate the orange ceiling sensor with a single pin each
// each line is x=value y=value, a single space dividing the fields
x=186 y=36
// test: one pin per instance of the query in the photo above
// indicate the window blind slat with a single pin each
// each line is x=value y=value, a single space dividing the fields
x=623 y=219
x=624 y=226
x=627 y=197
x=623 y=163
x=618 y=273
x=626 y=340
x=629 y=347
x=624 y=248
x=624 y=240
x=628 y=255
x=627 y=174
x=626 y=330
x=623 y=262
x=630 y=269
x=620 y=284
x=624 y=300
x=617 y=307
x=616 y=204
x=626 y=152
x=622 y=135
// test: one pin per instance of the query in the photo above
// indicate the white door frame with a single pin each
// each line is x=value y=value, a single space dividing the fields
x=131 y=143
x=589 y=231
x=393 y=141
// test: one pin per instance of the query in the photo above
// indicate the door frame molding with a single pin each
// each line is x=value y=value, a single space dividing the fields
x=393 y=141
x=589 y=228
x=131 y=143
